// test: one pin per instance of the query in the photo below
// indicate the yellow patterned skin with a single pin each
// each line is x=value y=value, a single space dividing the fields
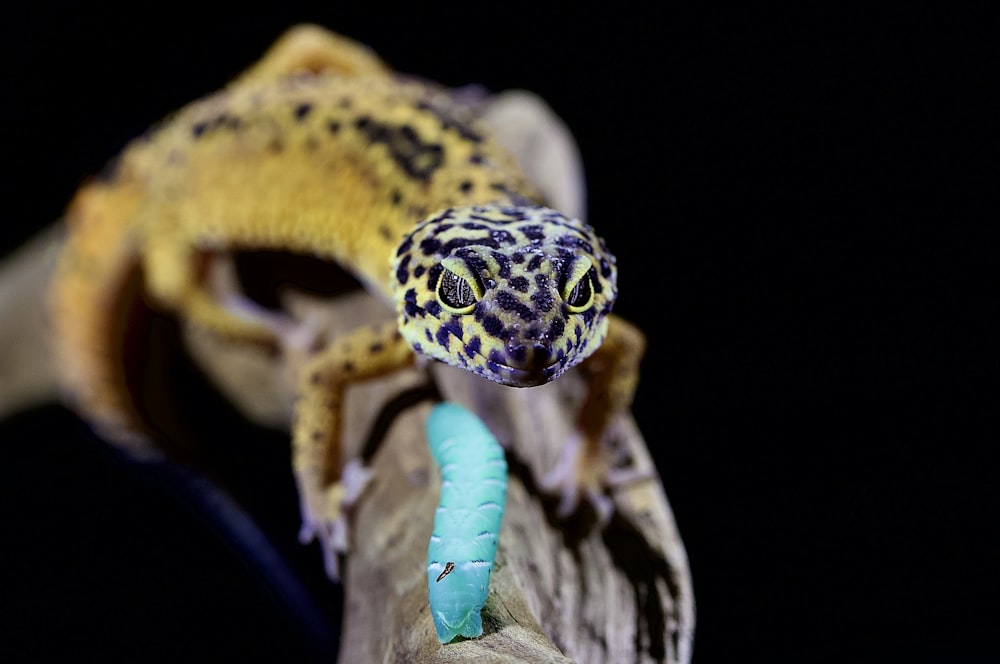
x=538 y=288
x=321 y=149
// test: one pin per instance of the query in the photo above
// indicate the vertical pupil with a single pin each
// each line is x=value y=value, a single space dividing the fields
x=456 y=291
x=462 y=291
x=580 y=293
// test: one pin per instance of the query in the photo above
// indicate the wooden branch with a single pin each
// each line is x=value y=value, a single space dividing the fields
x=26 y=375
x=561 y=591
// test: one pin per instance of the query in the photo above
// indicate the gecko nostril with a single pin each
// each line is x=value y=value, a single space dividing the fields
x=530 y=355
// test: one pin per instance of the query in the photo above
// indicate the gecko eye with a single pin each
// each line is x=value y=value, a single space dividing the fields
x=458 y=288
x=577 y=291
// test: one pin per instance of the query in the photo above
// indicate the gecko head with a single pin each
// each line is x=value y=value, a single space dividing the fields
x=517 y=294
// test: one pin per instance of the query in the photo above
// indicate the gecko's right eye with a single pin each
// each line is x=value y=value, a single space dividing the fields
x=458 y=288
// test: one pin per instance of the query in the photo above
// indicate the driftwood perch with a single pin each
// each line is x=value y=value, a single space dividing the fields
x=562 y=590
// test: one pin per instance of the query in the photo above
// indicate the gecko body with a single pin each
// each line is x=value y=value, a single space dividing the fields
x=320 y=149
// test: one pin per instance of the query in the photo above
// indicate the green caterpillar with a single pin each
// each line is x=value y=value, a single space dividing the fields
x=467 y=523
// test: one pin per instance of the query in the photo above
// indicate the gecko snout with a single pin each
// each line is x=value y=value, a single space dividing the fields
x=529 y=355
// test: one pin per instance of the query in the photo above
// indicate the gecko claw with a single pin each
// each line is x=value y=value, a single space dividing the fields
x=331 y=528
x=583 y=473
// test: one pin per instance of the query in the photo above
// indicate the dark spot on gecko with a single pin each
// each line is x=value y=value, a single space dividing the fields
x=302 y=111
x=465 y=186
x=348 y=366
x=455 y=327
x=396 y=197
x=556 y=329
x=519 y=283
x=492 y=325
x=503 y=262
x=429 y=245
x=432 y=276
x=333 y=126
x=416 y=158
x=473 y=347
x=477 y=159
x=509 y=302
x=451 y=117
x=384 y=231
x=376 y=347
x=459 y=242
x=317 y=436
x=543 y=300
x=535 y=262
x=605 y=268
x=433 y=308
x=403 y=271
x=202 y=127
x=443 y=337
x=535 y=233
x=504 y=237
x=418 y=271
x=410 y=299
x=574 y=241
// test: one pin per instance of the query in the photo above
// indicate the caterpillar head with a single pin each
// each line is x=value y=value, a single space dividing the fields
x=517 y=294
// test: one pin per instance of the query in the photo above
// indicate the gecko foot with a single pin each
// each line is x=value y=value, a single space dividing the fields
x=331 y=527
x=586 y=469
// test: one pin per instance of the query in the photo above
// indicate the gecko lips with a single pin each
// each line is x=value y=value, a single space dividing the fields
x=526 y=363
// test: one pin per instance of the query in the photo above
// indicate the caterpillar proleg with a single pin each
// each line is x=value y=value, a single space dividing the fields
x=467 y=522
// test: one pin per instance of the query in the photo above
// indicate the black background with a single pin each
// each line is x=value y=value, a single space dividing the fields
x=801 y=205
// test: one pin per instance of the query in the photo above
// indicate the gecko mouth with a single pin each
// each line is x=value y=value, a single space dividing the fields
x=521 y=377
x=518 y=364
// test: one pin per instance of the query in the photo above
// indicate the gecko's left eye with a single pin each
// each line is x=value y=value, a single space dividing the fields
x=458 y=288
x=577 y=291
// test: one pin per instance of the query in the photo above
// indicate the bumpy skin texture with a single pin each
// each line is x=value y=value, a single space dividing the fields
x=463 y=544
x=321 y=149
x=540 y=287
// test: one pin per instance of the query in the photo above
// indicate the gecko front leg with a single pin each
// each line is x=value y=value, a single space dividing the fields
x=585 y=468
x=325 y=488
